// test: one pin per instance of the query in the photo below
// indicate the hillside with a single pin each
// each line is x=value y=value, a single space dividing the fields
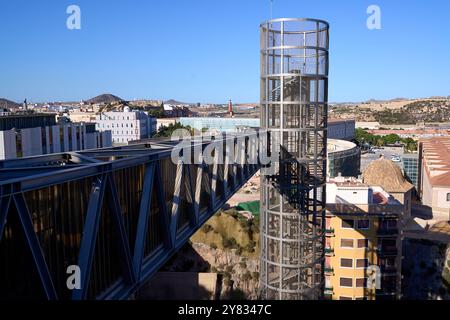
x=175 y=102
x=5 y=103
x=228 y=230
x=396 y=111
x=104 y=98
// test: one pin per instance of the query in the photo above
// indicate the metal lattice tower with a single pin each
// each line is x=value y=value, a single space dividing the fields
x=294 y=103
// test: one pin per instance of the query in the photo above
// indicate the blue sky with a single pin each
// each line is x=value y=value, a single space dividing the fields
x=208 y=50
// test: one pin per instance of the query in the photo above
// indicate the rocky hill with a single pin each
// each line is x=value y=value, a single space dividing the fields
x=5 y=103
x=105 y=99
x=175 y=102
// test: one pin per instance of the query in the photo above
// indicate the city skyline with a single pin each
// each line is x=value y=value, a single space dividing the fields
x=205 y=52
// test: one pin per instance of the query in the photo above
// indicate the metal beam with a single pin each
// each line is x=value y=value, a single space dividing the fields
x=89 y=239
x=176 y=201
x=35 y=247
x=144 y=213
x=122 y=239
x=4 y=208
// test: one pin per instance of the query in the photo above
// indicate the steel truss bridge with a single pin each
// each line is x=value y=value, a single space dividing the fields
x=117 y=213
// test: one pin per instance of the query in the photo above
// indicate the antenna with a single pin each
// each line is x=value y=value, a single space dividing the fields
x=271 y=9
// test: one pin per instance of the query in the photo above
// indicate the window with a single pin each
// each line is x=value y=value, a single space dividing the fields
x=346 y=282
x=346 y=243
x=361 y=283
x=363 y=243
x=388 y=224
x=363 y=224
x=362 y=263
x=347 y=223
x=345 y=298
x=448 y=197
x=360 y=298
x=346 y=263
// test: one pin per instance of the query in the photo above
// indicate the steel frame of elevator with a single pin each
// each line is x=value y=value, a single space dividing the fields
x=294 y=86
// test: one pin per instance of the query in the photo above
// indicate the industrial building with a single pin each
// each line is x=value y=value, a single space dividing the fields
x=294 y=103
x=127 y=126
x=341 y=129
x=32 y=135
x=219 y=124
x=343 y=158
x=434 y=174
x=337 y=129
x=364 y=224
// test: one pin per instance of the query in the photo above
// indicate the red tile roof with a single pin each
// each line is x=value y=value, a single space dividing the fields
x=436 y=160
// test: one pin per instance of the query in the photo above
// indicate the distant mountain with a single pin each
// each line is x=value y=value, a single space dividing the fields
x=5 y=103
x=171 y=101
x=105 y=98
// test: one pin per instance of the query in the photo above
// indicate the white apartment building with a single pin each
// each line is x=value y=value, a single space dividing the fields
x=26 y=142
x=126 y=126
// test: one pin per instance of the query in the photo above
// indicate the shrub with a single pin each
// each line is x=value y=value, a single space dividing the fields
x=207 y=228
x=229 y=243
x=246 y=276
x=251 y=246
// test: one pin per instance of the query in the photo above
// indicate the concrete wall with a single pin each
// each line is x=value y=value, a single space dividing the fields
x=31 y=142
x=55 y=139
x=181 y=286
x=7 y=145
x=440 y=197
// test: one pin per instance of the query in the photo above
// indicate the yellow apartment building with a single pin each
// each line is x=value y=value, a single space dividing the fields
x=364 y=223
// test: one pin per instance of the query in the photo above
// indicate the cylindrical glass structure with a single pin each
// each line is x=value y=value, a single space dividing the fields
x=294 y=97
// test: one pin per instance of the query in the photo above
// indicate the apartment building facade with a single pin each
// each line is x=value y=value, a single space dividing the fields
x=127 y=126
x=22 y=141
x=434 y=174
x=363 y=251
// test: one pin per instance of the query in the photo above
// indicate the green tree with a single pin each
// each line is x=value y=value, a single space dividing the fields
x=167 y=131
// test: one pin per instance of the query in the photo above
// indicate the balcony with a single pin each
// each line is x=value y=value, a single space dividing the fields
x=329 y=252
x=329 y=232
x=329 y=270
x=328 y=290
